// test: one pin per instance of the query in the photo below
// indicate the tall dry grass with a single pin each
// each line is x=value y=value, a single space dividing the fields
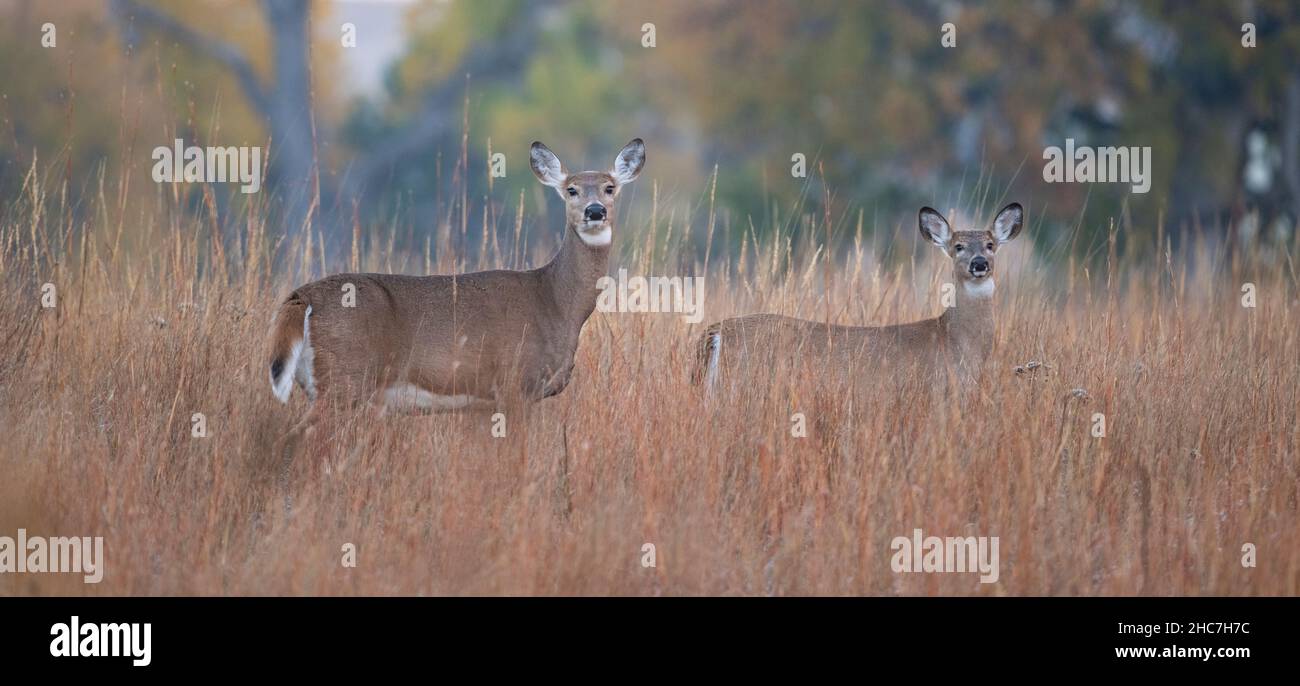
x=157 y=320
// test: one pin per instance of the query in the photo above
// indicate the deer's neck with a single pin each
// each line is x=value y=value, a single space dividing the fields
x=571 y=277
x=971 y=321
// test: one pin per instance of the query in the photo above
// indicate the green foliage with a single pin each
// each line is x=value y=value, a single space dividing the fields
x=893 y=118
x=887 y=117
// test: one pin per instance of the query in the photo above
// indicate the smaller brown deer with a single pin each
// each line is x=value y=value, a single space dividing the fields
x=963 y=334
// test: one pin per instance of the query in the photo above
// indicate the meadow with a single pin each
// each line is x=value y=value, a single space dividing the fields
x=159 y=317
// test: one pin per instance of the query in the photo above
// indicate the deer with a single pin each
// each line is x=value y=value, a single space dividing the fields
x=446 y=342
x=963 y=334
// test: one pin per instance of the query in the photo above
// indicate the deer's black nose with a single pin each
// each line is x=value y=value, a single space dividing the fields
x=979 y=266
x=595 y=212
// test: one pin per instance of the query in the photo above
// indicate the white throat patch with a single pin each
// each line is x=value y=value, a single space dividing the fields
x=598 y=239
x=981 y=289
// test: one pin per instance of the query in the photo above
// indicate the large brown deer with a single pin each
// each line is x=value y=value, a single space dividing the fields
x=963 y=334
x=446 y=342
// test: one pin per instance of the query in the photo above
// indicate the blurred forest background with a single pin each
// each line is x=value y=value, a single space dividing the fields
x=887 y=117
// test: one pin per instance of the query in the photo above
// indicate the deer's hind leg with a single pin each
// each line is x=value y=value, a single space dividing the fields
x=309 y=434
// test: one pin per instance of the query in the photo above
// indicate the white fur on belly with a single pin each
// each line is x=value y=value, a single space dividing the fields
x=406 y=397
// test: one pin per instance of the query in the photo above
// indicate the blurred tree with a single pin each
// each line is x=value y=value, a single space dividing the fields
x=83 y=105
x=492 y=43
x=868 y=91
x=284 y=102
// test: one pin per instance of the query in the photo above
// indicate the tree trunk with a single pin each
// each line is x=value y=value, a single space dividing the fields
x=291 y=160
x=1291 y=148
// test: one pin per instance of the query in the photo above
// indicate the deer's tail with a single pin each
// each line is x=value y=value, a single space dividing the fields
x=289 y=349
x=708 y=352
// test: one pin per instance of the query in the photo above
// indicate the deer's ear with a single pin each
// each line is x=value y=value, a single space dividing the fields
x=1008 y=222
x=934 y=227
x=630 y=160
x=546 y=166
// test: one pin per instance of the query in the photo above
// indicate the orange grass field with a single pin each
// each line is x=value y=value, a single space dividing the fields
x=156 y=321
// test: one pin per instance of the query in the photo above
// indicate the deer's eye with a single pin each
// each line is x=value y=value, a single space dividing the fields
x=988 y=246
x=573 y=192
x=609 y=190
x=959 y=247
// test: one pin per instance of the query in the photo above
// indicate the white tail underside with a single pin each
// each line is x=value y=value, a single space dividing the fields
x=298 y=367
x=711 y=377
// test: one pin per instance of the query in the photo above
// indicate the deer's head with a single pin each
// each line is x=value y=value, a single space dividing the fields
x=589 y=196
x=972 y=251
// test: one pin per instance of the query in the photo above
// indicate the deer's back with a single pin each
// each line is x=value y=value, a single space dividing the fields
x=764 y=343
x=447 y=334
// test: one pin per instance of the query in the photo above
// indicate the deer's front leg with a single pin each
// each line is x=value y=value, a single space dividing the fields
x=553 y=383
